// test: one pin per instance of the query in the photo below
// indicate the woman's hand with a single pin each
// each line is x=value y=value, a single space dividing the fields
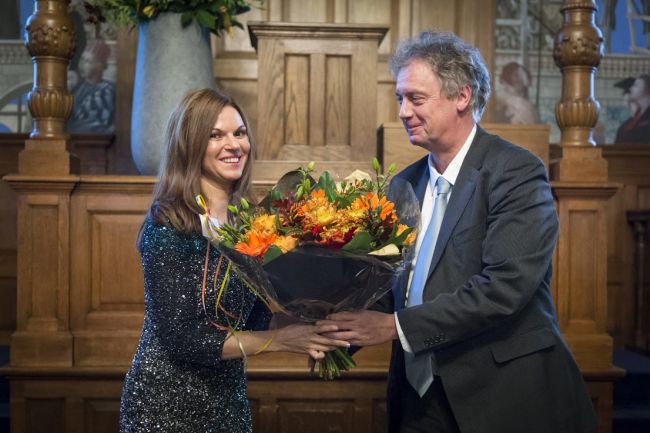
x=303 y=338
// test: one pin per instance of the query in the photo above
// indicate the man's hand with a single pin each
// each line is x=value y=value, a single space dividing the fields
x=362 y=328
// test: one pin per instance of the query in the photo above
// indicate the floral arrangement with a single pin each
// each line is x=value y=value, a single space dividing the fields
x=354 y=216
x=216 y=15
x=312 y=248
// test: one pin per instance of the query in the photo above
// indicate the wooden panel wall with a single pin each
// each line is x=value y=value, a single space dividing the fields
x=236 y=66
x=8 y=164
x=93 y=150
x=630 y=166
x=106 y=298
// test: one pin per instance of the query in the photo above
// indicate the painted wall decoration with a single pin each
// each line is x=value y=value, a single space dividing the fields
x=91 y=74
x=527 y=84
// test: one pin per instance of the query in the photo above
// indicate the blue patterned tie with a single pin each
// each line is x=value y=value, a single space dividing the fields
x=419 y=369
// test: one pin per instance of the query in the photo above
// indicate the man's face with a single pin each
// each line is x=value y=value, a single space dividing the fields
x=429 y=117
x=638 y=89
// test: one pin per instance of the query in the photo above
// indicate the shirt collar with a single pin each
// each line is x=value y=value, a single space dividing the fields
x=451 y=173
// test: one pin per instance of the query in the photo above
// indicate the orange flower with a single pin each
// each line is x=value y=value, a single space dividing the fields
x=387 y=207
x=256 y=244
x=317 y=199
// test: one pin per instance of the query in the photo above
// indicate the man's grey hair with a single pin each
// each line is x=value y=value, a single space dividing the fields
x=455 y=63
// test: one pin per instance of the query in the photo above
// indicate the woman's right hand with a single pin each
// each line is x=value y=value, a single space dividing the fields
x=304 y=338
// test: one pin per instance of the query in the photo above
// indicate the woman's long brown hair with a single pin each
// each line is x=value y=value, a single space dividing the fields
x=186 y=139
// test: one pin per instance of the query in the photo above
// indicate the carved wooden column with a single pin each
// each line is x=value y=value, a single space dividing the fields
x=582 y=192
x=43 y=187
x=577 y=52
x=51 y=42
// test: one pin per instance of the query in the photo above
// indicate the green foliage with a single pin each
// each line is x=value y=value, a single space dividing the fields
x=362 y=242
x=272 y=252
x=218 y=16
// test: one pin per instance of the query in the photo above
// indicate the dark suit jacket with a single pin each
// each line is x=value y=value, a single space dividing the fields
x=488 y=314
x=635 y=131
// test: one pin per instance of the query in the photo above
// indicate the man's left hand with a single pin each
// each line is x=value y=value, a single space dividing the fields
x=362 y=328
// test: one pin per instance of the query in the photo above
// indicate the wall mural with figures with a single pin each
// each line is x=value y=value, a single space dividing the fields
x=526 y=80
x=91 y=74
x=527 y=84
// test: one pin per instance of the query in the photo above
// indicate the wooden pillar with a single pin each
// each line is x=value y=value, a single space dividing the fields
x=51 y=42
x=582 y=192
x=577 y=52
x=43 y=185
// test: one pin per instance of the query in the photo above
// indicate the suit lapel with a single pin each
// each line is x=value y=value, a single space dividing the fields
x=461 y=194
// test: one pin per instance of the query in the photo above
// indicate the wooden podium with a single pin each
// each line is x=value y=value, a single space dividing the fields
x=317 y=97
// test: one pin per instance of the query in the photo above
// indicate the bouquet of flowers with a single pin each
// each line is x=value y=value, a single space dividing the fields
x=314 y=248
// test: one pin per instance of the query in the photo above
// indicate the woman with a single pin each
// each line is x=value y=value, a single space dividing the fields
x=188 y=373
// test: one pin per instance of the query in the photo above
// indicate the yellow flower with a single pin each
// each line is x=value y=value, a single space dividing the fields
x=325 y=215
x=410 y=238
x=285 y=243
x=149 y=10
x=264 y=224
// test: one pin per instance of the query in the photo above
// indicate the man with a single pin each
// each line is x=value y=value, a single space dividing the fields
x=476 y=344
x=636 y=129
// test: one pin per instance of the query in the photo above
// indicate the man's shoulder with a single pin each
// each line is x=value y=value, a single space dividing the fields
x=500 y=151
x=414 y=170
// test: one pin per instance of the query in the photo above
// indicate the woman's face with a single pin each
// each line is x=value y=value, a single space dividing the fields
x=227 y=151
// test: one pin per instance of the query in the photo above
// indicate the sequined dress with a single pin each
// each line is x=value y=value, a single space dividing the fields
x=177 y=381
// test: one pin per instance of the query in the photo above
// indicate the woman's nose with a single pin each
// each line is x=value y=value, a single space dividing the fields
x=232 y=142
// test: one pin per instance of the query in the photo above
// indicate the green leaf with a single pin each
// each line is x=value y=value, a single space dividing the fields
x=206 y=19
x=272 y=253
x=327 y=184
x=399 y=240
x=275 y=195
x=186 y=18
x=361 y=242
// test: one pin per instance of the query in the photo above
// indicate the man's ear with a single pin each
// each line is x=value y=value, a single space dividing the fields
x=463 y=99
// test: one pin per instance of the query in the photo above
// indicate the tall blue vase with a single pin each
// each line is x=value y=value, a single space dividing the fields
x=171 y=60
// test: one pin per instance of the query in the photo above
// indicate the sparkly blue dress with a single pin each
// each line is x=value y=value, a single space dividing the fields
x=177 y=381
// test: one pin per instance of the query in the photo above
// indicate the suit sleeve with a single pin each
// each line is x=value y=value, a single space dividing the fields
x=521 y=231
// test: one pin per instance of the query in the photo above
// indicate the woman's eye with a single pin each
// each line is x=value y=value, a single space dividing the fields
x=215 y=136
x=241 y=133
